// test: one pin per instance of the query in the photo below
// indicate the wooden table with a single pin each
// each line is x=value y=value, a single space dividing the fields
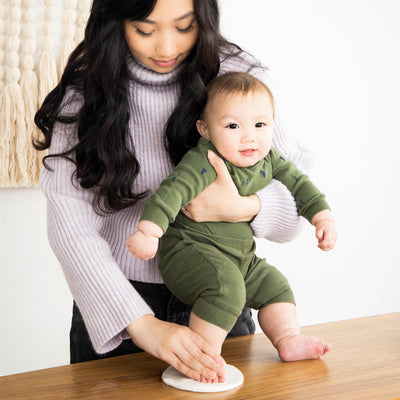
x=363 y=364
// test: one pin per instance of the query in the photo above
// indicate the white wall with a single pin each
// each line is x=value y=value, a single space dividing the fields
x=35 y=301
x=335 y=67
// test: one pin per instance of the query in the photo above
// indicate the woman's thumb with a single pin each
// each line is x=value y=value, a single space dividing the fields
x=218 y=164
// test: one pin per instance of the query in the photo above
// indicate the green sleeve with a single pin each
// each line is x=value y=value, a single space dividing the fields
x=189 y=178
x=309 y=200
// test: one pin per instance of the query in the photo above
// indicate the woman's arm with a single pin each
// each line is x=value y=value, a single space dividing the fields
x=278 y=220
x=105 y=297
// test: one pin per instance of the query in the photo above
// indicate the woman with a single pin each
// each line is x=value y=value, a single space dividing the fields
x=122 y=115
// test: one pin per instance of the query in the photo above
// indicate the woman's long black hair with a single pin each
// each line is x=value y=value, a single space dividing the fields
x=104 y=154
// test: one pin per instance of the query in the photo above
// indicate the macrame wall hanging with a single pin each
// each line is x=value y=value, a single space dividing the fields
x=33 y=53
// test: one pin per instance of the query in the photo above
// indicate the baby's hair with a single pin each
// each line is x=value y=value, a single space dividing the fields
x=237 y=82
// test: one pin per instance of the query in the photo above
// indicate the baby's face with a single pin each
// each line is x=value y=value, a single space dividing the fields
x=240 y=126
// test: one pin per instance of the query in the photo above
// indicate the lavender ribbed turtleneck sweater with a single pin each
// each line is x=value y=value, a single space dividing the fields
x=90 y=248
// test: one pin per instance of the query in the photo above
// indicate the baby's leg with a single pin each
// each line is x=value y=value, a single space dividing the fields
x=214 y=335
x=279 y=322
x=201 y=275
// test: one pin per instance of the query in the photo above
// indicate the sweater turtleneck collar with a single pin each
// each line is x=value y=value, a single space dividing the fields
x=144 y=75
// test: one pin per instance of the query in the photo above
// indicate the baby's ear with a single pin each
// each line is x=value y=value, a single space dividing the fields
x=202 y=129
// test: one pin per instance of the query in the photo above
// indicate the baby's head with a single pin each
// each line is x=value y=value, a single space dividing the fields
x=238 y=118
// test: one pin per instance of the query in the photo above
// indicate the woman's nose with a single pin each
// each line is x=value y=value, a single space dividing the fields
x=166 y=47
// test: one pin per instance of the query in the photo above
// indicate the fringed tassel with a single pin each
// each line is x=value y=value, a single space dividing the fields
x=47 y=81
x=66 y=49
x=68 y=44
x=21 y=94
x=12 y=116
x=6 y=136
x=21 y=144
x=47 y=64
x=30 y=88
x=47 y=74
x=83 y=15
x=12 y=121
x=2 y=44
x=4 y=145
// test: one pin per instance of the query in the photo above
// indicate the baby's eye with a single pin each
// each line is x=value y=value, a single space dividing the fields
x=233 y=126
x=260 y=124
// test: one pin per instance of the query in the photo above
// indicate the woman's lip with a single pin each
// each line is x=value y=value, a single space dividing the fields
x=165 y=64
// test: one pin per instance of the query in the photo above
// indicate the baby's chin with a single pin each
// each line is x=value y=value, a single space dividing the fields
x=244 y=161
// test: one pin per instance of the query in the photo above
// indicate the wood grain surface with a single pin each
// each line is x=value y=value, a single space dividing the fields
x=363 y=364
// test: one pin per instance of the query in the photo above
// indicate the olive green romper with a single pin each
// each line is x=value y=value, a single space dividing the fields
x=213 y=265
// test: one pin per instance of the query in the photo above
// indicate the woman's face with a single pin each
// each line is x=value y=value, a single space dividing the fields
x=165 y=38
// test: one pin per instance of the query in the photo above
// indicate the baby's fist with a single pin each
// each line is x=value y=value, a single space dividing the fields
x=142 y=246
x=325 y=231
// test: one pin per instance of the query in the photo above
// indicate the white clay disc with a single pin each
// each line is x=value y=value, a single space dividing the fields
x=172 y=377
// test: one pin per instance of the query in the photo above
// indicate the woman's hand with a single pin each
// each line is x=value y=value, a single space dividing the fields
x=221 y=200
x=179 y=346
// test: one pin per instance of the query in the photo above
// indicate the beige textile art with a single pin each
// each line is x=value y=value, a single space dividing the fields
x=36 y=38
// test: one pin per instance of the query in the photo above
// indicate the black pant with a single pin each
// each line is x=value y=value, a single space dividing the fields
x=165 y=307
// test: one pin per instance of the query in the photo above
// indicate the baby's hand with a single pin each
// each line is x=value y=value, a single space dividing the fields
x=325 y=232
x=144 y=242
x=142 y=246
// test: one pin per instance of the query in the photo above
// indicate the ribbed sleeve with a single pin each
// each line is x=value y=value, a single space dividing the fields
x=277 y=220
x=105 y=297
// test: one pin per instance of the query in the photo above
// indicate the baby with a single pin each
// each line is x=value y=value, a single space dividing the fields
x=213 y=265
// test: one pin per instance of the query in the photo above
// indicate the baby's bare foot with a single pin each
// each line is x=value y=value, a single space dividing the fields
x=301 y=347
